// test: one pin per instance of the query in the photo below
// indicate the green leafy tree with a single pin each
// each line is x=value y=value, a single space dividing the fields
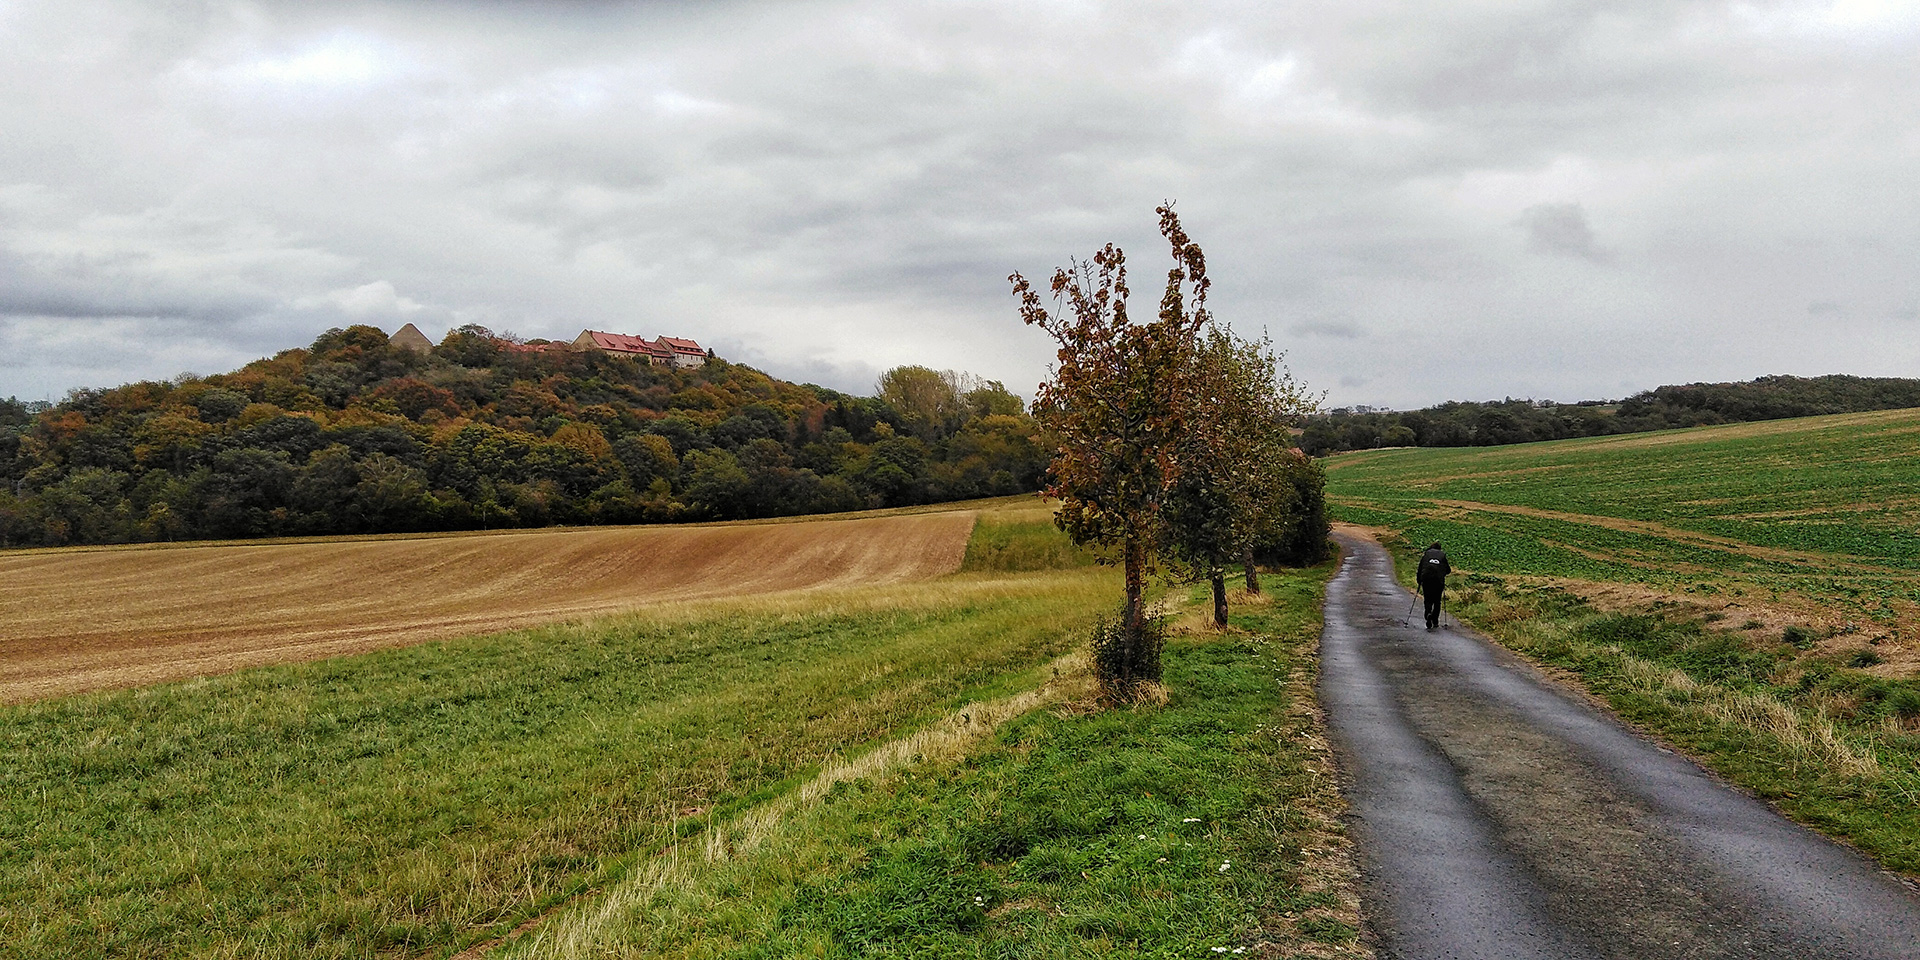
x=1234 y=457
x=992 y=399
x=1295 y=532
x=647 y=456
x=391 y=495
x=1116 y=409
x=925 y=398
x=716 y=486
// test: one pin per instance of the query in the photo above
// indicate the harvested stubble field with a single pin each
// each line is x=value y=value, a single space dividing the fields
x=87 y=619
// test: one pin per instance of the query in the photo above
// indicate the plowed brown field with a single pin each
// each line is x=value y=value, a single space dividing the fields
x=73 y=620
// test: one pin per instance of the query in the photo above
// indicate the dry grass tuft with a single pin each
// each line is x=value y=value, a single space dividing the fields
x=1814 y=739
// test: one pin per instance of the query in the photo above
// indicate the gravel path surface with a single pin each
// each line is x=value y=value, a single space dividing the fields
x=1499 y=817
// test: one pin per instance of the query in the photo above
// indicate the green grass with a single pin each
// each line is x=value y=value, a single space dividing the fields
x=399 y=802
x=1154 y=831
x=1838 y=492
x=1832 y=747
x=1021 y=541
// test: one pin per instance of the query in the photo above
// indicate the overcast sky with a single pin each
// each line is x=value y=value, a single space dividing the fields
x=1422 y=201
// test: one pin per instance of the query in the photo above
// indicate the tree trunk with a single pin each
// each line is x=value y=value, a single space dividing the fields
x=1133 y=623
x=1136 y=563
x=1253 y=574
x=1219 y=577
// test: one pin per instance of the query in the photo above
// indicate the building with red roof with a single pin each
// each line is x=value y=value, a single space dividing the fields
x=667 y=351
x=686 y=353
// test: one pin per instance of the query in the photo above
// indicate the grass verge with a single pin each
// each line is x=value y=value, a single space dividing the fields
x=1198 y=827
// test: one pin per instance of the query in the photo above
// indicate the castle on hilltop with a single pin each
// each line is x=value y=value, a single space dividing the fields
x=676 y=352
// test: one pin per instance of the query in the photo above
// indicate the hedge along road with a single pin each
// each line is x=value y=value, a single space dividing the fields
x=1498 y=817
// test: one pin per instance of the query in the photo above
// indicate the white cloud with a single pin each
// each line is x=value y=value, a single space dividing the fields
x=370 y=301
x=340 y=59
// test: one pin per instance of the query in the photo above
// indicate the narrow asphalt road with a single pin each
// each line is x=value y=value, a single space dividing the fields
x=1497 y=817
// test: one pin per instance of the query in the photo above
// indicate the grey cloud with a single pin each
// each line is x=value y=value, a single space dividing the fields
x=80 y=287
x=1561 y=229
x=846 y=187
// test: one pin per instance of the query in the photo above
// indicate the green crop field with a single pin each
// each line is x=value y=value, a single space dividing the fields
x=1821 y=514
x=1747 y=592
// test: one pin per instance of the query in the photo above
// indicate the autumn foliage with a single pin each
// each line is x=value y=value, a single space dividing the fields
x=354 y=435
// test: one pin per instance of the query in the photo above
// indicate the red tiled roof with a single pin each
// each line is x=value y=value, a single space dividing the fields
x=512 y=347
x=621 y=343
x=683 y=346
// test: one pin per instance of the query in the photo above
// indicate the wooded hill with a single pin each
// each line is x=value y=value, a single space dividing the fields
x=355 y=435
x=1468 y=424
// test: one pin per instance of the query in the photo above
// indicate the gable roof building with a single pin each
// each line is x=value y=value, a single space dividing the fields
x=409 y=337
x=667 y=351
x=686 y=353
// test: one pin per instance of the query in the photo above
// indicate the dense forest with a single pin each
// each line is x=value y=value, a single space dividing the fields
x=1467 y=424
x=353 y=435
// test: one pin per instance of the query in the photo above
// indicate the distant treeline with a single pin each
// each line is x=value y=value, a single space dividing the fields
x=356 y=435
x=1469 y=424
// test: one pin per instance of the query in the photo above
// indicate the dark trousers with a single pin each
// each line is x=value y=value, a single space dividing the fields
x=1432 y=592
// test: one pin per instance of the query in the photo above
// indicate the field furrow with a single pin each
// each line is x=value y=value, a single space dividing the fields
x=90 y=619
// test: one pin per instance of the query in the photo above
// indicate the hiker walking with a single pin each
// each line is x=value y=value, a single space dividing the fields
x=1432 y=579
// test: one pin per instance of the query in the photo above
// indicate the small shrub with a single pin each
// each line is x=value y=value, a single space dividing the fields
x=1863 y=658
x=1715 y=617
x=1123 y=663
x=1752 y=625
x=1799 y=637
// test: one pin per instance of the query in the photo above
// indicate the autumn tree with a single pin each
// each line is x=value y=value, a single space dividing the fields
x=1115 y=410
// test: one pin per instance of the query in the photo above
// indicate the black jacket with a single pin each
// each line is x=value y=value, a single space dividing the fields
x=1433 y=569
